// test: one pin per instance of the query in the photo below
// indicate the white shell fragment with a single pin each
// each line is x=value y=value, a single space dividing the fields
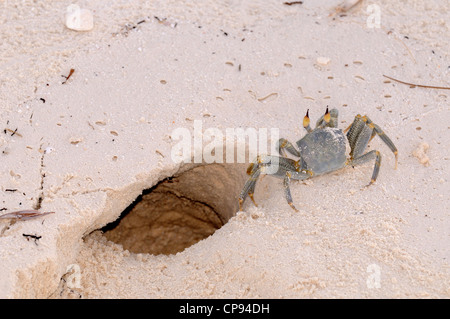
x=79 y=19
x=323 y=60
x=48 y=150
x=420 y=154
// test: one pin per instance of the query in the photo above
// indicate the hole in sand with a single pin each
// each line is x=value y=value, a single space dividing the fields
x=179 y=211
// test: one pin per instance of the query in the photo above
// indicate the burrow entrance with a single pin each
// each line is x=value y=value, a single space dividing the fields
x=179 y=211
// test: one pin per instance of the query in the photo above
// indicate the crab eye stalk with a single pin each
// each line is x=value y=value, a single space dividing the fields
x=306 y=122
x=306 y=119
x=327 y=116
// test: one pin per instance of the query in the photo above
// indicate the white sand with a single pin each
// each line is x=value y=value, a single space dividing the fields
x=106 y=128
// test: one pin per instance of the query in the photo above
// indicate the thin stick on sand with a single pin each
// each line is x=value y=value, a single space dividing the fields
x=412 y=85
x=24 y=214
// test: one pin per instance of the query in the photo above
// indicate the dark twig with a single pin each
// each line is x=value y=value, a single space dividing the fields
x=67 y=77
x=292 y=3
x=24 y=214
x=35 y=237
x=412 y=85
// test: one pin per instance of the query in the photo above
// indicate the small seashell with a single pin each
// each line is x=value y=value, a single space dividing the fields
x=79 y=19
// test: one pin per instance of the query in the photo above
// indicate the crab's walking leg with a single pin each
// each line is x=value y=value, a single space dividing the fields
x=368 y=157
x=286 y=182
x=249 y=188
x=358 y=137
x=384 y=138
x=271 y=165
x=287 y=191
x=361 y=131
x=283 y=144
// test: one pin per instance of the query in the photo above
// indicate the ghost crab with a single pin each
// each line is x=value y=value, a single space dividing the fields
x=322 y=150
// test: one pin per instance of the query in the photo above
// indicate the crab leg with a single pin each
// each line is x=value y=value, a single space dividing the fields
x=358 y=137
x=249 y=188
x=286 y=182
x=287 y=191
x=368 y=157
x=280 y=167
x=284 y=144
x=361 y=131
x=385 y=139
x=254 y=170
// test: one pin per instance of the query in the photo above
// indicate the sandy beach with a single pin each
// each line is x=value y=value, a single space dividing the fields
x=99 y=148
